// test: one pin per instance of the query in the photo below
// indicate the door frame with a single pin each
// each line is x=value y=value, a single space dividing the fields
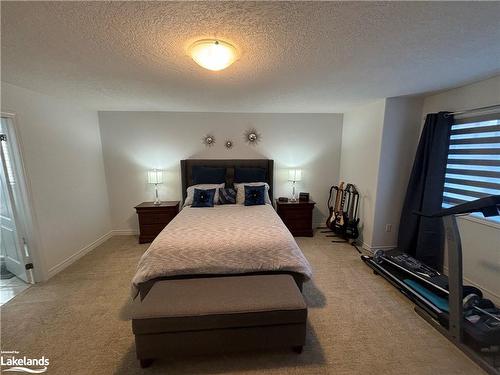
x=17 y=265
x=27 y=213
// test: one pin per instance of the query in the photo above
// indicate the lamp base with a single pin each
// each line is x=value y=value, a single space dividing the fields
x=294 y=197
x=157 y=199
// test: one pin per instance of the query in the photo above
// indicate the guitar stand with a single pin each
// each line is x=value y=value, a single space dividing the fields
x=326 y=230
x=335 y=235
x=353 y=243
x=341 y=240
x=343 y=232
x=331 y=235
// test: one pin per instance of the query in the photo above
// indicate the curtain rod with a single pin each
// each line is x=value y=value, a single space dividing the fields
x=473 y=110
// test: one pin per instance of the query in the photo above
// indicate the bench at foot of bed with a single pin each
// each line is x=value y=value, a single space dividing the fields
x=217 y=315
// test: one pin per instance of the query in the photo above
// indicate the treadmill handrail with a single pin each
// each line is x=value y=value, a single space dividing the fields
x=488 y=206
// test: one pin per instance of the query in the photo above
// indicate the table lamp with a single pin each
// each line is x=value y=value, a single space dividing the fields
x=155 y=176
x=294 y=175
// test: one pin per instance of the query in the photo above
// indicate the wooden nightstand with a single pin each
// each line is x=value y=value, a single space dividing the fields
x=154 y=217
x=297 y=216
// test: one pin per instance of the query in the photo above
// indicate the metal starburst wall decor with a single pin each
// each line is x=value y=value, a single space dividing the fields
x=209 y=140
x=252 y=137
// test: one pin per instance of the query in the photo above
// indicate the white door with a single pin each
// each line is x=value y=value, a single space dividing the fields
x=11 y=242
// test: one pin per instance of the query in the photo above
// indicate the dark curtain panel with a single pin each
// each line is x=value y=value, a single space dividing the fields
x=419 y=236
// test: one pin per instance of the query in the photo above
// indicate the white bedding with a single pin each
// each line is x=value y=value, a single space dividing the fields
x=226 y=239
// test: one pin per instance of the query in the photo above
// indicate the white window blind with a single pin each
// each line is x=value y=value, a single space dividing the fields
x=473 y=168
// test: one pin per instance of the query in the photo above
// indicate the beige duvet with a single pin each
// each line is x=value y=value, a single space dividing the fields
x=225 y=239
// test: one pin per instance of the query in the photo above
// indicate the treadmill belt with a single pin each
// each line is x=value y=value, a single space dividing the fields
x=439 y=302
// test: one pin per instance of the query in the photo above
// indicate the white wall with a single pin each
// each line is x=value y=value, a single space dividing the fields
x=401 y=130
x=480 y=242
x=378 y=147
x=478 y=94
x=61 y=148
x=134 y=142
x=361 y=144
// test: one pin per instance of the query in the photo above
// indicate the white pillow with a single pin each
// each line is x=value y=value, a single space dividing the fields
x=190 y=192
x=240 y=191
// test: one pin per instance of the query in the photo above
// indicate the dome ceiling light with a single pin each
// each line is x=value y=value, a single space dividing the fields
x=213 y=54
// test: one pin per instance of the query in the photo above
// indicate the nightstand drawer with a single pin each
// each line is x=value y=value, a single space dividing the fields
x=297 y=216
x=298 y=223
x=297 y=207
x=152 y=229
x=156 y=218
x=294 y=224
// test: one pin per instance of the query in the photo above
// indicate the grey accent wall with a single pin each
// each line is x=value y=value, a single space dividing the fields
x=134 y=142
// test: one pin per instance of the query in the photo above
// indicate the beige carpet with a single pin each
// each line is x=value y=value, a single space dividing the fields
x=358 y=323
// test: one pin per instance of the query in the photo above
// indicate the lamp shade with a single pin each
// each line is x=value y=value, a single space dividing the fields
x=155 y=176
x=294 y=175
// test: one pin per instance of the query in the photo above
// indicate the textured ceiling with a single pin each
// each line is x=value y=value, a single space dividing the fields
x=295 y=56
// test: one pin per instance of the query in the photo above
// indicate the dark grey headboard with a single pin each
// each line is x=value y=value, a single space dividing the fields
x=229 y=164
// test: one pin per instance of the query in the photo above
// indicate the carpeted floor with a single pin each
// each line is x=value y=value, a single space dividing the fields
x=358 y=323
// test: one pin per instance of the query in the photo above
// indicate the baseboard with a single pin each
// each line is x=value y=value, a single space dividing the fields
x=488 y=293
x=124 y=232
x=367 y=247
x=73 y=258
x=372 y=249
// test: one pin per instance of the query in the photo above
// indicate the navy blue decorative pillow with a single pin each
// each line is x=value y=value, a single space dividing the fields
x=227 y=196
x=203 y=198
x=208 y=175
x=255 y=195
x=249 y=175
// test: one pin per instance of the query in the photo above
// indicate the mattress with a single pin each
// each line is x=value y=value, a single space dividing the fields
x=225 y=239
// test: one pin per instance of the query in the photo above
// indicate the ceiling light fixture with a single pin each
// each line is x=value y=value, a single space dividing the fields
x=213 y=54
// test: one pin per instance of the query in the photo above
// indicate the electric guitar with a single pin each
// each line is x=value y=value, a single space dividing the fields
x=351 y=227
x=335 y=210
x=331 y=211
x=340 y=217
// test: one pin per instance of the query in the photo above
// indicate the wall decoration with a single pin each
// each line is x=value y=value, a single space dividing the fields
x=209 y=140
x=252 y=136
x=228 y=144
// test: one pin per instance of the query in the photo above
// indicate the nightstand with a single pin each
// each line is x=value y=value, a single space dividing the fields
x=297 y=217
x=154 y=217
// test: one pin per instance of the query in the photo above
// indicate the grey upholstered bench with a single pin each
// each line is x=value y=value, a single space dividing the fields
x=219 y=314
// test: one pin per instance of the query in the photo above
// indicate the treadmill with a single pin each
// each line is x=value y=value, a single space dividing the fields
x=441 y=299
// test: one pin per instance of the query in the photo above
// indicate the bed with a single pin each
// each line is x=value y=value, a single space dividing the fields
x=226 y=240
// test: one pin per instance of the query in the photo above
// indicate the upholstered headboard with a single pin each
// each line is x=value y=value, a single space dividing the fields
x=229 y=164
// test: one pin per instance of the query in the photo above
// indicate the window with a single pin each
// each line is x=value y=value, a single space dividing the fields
x=473 y=169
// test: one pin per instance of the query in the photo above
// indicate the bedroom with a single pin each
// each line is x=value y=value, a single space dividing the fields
x=96 y=96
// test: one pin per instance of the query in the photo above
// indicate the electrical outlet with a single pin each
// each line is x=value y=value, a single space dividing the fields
x=388 y=227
